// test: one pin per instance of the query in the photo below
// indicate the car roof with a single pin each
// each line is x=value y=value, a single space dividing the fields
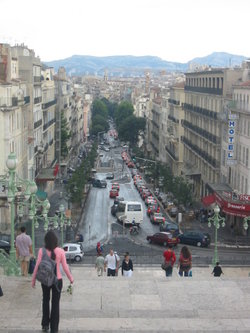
x=68 y=244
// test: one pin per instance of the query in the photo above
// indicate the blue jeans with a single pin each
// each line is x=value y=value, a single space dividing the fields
x=169 y=271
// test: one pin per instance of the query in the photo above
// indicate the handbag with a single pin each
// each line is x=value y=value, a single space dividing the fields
x=32 y=265
x=1 y=291
x=165 y=265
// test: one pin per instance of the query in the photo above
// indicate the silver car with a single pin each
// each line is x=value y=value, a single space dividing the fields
x=73 y=251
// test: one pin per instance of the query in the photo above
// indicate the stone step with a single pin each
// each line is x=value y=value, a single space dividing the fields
x=147 y=302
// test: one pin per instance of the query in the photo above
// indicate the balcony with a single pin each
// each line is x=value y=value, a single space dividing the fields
x=37 y=100
x=173 y=119
x=48 y=124
x=37 y=79
x=204 y=90
x=49 y=104
x=26 y=99
x=171 y=153
x=200 y=111
x=202 y=132
x=38 y=123
x=201 y=153
x=174 y=101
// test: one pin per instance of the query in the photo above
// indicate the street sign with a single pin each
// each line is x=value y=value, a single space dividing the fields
x=3 y=189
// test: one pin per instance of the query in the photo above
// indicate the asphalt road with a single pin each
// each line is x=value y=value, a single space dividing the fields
x=99 y=225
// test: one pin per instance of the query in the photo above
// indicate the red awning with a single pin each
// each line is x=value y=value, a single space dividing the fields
x=208 y=200
x=233 y=212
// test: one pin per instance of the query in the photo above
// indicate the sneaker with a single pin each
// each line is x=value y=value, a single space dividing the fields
x=45 y=328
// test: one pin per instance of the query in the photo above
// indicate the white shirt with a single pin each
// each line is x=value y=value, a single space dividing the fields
x=111 y=261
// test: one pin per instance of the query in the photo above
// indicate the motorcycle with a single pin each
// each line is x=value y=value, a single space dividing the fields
x=134 y=230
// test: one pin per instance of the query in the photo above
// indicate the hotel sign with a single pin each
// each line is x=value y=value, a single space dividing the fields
x=231 y=156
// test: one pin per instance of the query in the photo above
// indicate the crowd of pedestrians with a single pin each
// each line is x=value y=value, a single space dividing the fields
x=111 y=263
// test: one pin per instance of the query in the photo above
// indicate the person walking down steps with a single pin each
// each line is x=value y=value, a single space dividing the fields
x=50 y=319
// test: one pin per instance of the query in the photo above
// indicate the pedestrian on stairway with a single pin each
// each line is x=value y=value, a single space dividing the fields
x=112 y=263
x=51 y=318
x=99 y=264
x=127 y=266
x=185 y=262
x=170 y=259
x=217 y=271
x=24 y=250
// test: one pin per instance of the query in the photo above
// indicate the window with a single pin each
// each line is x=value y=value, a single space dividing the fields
x=246 y=186
x=244 y=154
x=134 y=208
x=247 y=153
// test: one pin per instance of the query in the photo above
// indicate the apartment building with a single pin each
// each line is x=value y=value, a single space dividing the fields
x=205 y=93
x=15 y=110
x=155 y=122
x=163 y=134
x=173 y=145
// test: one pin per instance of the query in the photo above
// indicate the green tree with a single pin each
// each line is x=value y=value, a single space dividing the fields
x=65 y=136
x=124 y=110
x=99 y=108
x=100 y=120
x=130 y=129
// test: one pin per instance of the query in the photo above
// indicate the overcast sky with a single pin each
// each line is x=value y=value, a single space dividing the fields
x=177 y=30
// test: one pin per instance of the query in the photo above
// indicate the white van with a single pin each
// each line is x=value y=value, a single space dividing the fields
x=129 y=210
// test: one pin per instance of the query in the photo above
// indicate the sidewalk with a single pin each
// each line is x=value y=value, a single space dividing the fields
x=147 y=302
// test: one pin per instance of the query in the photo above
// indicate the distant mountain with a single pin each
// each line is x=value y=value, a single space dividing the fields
x=134 y=66
x=219 y=59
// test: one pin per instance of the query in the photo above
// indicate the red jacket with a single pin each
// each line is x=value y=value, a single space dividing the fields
x=169 y=256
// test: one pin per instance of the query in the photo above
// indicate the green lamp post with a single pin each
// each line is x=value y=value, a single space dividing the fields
x=217 y=221
x=11 y=165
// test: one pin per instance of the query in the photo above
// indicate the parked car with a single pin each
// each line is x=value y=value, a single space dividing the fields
x=170 y=227
x=99 y=183
x=173 y=211
x=114 y=193
x=197 y=238
x=4 y=245
x=5 y=237
x=163 y=238
x=150 y=200
x=110 y=175
x=73 y=251
x=157 y=218
x=114 y=208
x=153 y=208
x=116 y=186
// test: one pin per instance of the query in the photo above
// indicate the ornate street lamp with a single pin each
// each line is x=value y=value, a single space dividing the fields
x=11 y=165
x=217 y=221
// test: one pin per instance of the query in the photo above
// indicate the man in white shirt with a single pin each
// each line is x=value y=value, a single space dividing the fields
x=112 y=263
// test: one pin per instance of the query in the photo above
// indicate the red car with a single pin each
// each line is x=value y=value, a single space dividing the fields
x=157 y=218
x=113 y=193
x=150 y=200
x=152 y=209
x=115 y=186
x=163 y=238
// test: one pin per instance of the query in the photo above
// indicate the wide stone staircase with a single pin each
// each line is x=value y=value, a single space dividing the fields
x=147 y=302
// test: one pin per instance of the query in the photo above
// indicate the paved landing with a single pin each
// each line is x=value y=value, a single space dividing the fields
x=147 y=302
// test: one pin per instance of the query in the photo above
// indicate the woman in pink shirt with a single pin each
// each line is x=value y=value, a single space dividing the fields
x=57 y=254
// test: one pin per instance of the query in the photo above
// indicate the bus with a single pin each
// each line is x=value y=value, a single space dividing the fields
x=129 y=210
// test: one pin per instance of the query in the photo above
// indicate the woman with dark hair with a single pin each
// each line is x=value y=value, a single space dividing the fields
x=54 y=252
x=185 y=262
x=127 y=266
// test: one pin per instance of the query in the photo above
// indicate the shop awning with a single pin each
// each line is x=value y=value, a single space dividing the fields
x=233 y=212
x=208 y=200
x=45 y=175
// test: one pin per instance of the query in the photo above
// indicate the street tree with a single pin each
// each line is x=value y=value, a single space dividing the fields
x=65 y=136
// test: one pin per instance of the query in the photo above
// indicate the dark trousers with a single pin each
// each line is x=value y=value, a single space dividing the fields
x=51 y=318
x=111 y=272
x=169 y=271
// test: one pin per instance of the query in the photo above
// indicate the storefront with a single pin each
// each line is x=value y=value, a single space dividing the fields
x=235 y=207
